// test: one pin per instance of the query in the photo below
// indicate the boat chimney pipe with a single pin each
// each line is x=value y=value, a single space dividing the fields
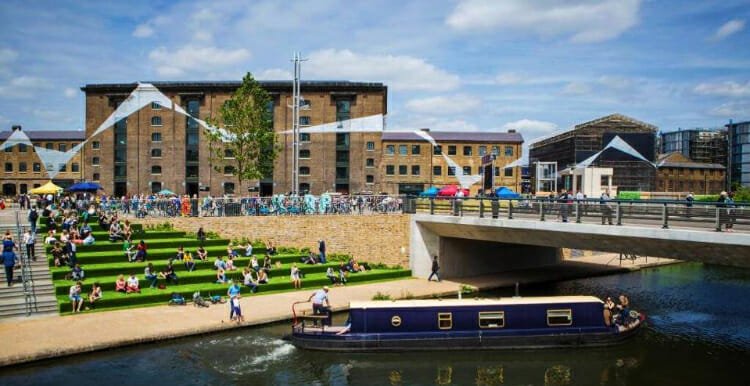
x=517 y=294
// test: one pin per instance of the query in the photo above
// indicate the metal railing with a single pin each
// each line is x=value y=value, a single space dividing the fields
x=27 y=279
x=662 y=213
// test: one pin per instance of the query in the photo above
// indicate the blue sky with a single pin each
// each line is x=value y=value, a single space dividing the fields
x=536 y=66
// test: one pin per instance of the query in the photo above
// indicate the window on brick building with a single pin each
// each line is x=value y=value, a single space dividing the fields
x=304 y=120
x=509 y=172
x=304 y=137
x=437 y=170
x=228 y=170
x=155 y=106
x=468 y=150
x=8 y=167
x=370 y=179
x=22 y=148
x=156 y=153
x=402 y=150
x=96 y=177
x=467 y=170
x=415 y=170
x=95 y=161
x=451 y=170
x=389 y=170
x=451 y=149
x=416 y=149
x=155 y=121
x=390 y=149
x=75 y=167
x=49 y=146
x=437 y=150
x=304 y=170
x=304 y=153
x=96 y=145
x=509 y=151
x=156 y=137
x=62 y=167
x=22 y=167
x=370 y=162
x=370 y=145
x=402 y=170
x=304 y=187
x=229 y=188
x=156 y=169
x=482 y=150
x=62 y=147
x=36 y=167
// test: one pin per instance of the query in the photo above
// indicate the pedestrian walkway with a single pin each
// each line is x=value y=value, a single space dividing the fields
x=13 y=299
x=27 y=340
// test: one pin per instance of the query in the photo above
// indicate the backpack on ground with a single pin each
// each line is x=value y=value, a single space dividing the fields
x=176 y=300
x=198 y=301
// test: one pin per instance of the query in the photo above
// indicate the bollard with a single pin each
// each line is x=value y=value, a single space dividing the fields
x=665 y=217
x=432 y=205
x=578 y=212
x=481 y=208
x=718 y=219
x=510 y=210
x=541 y=211
x=618 y=214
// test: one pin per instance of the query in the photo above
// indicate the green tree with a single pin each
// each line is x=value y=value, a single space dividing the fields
x=246 y=133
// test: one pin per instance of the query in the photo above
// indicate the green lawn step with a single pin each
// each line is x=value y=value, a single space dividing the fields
x=103 y=257
x=95 y=272
x=171 y=242
x=112 y=299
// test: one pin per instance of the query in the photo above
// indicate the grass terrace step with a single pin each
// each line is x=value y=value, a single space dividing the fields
x=95 y=271
x=156 y=241
x=148 y=296
x=101 y=257
x=203 y=275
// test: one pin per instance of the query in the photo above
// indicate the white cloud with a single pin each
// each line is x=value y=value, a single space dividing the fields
x=7 y=55
x=530 y=125
x=23 y=87
x=584 y=21
x=442 y=105
x=729 y=28
x=195 y=59
x=576 y=88
x=274 y=74
x=737 y=110
x=143 y=31
x=398 y=72
x=727 y=89
x=70 y=92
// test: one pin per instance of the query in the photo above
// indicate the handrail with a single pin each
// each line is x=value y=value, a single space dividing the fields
x=29 y=292
x=294 y=311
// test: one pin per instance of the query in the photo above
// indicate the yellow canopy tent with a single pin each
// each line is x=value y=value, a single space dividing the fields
x=48 y=188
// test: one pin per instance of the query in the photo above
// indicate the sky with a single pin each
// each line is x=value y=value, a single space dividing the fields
x=537 y=66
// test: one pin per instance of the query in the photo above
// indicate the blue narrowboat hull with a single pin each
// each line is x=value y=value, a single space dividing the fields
x=473 y=340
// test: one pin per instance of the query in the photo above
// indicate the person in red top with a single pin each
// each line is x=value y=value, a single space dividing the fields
x=141 y=251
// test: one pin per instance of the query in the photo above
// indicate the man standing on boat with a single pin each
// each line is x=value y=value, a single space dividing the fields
x=321 y=305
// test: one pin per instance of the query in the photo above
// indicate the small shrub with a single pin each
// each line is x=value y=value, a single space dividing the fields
x=467 y=289
x=165 y=226
x=381 y=296
x=212 y=235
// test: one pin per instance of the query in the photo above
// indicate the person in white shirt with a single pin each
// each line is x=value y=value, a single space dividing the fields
x=28 y=241
x=133 y=285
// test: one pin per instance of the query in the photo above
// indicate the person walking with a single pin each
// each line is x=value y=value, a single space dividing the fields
x=564 y=205
x=689 y=203
x=435 y=269
x=33 y=217
x=9 y=257
x=322 y=249
x=28 y=241
x=321 y=304
x=606 y=208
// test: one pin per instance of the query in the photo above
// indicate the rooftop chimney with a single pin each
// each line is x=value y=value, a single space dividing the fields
x=16 y=127
x=511 y=130
x=425 y=129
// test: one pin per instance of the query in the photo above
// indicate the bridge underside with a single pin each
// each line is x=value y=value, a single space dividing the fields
x=468 y=246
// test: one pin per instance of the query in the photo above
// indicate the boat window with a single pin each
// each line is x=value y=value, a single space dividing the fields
x=494 y=319
x=445 y=320
x=559 y=317
x=396 y=321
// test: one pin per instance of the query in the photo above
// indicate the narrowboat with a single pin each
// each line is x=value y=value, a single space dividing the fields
x=468 y=324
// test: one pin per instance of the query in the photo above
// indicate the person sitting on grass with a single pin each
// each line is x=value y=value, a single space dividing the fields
x=77 y=274
x=85 y=230
x=168 y=274
x=151 y=275
x=342 y=274
x=50 y=239
x=247 y=280
x=221 y=276
x=127 y=231
x=248 y=249
x=219 y=263
x=230 y=263
x=121 y=285
x=254 y=264
x=75 y=297
x=127 y=249
x=141 y=251
x=58 y=255
x=331 y=276
x=270 y=248
x=189 y=262
x=296 y=277
x=355 y=267
x=201 y=236
x=230 y=251
x=95 y=295
x=267 y=264
x=262 y=277
x=115 y=232
x=202 y=254
x=89 y=239
x=133 y=285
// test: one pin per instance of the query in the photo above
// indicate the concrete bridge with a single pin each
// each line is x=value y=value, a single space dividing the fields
x=470 y=245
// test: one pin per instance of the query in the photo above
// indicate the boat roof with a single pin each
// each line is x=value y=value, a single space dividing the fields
x=474 y=302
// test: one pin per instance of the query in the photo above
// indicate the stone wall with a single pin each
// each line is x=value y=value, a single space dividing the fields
x=375 y=239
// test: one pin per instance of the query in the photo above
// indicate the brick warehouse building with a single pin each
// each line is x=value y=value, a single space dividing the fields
x=156 y=148
x=22 y=168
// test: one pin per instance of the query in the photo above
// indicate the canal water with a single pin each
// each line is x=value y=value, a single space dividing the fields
x=698 y=333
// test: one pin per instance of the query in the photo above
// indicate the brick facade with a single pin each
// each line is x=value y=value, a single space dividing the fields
x=376 y=239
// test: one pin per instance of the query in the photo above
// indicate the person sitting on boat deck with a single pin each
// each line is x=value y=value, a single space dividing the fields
x=150 y=275
x=609 y=309
x=262 y=277
x=141 y=251
x=127 y=249
x=347 y=326
x=133 y=285
x=219 y=263
x=331 y=276
x=221 y=276
x=254 y=264
x=201 y=254
x=321 y=305
x=624 y=308
x=95 y=295
x=230 y=263
x=248 y=281
x=168 y=274
x=115 y=232
x=187 y=258
x=296 y=277
x=120 y=284
x=85 y=230
x=77 y=274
